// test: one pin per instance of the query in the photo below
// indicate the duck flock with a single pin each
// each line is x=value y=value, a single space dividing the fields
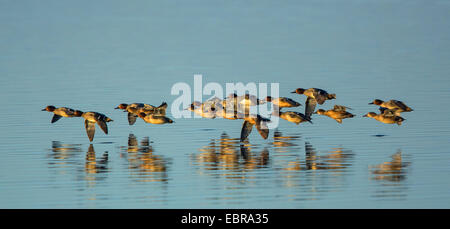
x=238 y=107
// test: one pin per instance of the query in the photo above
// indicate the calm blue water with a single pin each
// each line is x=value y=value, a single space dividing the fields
x=95 y=55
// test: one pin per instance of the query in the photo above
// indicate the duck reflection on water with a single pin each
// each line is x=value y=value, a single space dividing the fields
x=142 y=162
x=390 y=177
x=229 y=154
x=337 y=159
x=392 y=171
x=284 y=144
x=62 y=151
x=93 y=164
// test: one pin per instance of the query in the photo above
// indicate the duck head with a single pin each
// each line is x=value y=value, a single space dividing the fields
x=49 y=108
x=320 y=112
x=191 y=107
x=122 y=106
x=78 y=113
x=299 y=91
x=370 y=115
x=377 y=102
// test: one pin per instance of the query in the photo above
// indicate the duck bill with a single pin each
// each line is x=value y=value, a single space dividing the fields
x=293 y=92
x=371 y=103
x=43 y=109
x=117 y=108
x=365 y=115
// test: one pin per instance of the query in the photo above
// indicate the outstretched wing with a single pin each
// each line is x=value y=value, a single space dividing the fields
x=90 y=129
x=161 y=109
x=132 y=118
x=310 y=106
x=320 y=96
x=103 y=126
x=262 y=129
x=56 y=118
x=293 y=102
x=304 y=117
x=398 y=104
x=246 y=130
x=340 y=108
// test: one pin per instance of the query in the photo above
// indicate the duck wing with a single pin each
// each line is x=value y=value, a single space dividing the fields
x=293 y=102
x=56 y=118
x=400 y=105
x=103 y=126
x=320 y=96
x=304 y=117
x=340 y=108
x=90 y=129
x=132 y=118
x=262 y=129
x=246 y=130
x=310 y=106
x=161 y=109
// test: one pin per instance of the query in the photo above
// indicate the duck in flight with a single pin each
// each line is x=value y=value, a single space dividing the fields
x=135 y=108
x=155 y=118
x=90 y=119
x=397 y=106
x=337 y=113
x=295 y=117
x=314 y=96
x=60 y=112
x=282 y=102
x=387 y=117
x=202 y=110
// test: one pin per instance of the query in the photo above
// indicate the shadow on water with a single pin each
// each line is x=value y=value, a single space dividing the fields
x=229 y=158
x=144 y=165
x=390 y=176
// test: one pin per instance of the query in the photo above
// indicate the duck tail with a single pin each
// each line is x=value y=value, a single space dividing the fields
x=163 y=105
x=399 y=120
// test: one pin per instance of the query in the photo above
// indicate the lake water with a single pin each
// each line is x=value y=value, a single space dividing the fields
x=94 y=55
